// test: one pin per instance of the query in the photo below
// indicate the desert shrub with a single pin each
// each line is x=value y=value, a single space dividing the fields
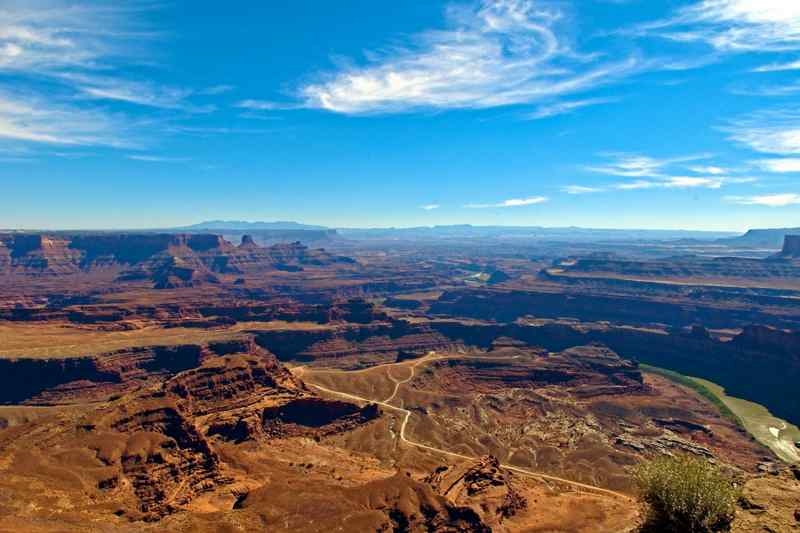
x=686 y=494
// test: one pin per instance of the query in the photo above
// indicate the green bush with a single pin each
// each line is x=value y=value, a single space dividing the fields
x=686 y=494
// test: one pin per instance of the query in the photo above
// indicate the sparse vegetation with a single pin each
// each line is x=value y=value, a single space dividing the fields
x=699 y=388
x=686 y=494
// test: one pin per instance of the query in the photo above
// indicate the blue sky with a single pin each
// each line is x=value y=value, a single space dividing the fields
x=601 y=113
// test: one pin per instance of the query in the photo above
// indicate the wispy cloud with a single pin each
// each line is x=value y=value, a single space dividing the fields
x=156 y=158
x=635 y=185
x=639 y=166
x=787 y=165
x=768 y=200
x=502 y=52
x=562 y=108
x=267 y=105
x=30 y=119
x=44 y=40
x=734 y=25
x=67 y=63
x=580 y=189
x=689 y=182
x=709 y=169
x=682 y=182
x=771 y=132
x=144 y=93
x=785 y=89
x=778 y=67
x=430 y=207
x=45 y=36
x=514 y=202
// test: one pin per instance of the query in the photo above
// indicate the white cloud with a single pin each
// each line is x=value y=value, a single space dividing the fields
x=735 y=25
x=635 y=185
x=561 y=108
x=266 y=105
x=771 y=132
x=778 y=67
x=767 y=90
x=514 y=202
x=501 y=53
x=144 y=93
x=41 y=41
x=156 y=158
x=580 y=189
x=686 y=182
x=682 y=182
x=714 y=171
x=42 y=36
x=639 y=166
x=430 y=207
x=779 y=165
x=30 y=119
x=66 y=60
x=769 y=200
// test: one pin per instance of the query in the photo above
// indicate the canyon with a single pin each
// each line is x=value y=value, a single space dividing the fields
x=176 y=381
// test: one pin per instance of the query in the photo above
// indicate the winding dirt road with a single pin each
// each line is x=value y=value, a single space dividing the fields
x=407 y=415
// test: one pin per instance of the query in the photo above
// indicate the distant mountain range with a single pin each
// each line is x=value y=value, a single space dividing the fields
x=241 y=225
x=571 y=234
x=462 y=231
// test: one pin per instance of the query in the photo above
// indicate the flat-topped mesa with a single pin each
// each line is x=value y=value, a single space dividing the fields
x=169 y=259
x=791 y=246
x=42 y=254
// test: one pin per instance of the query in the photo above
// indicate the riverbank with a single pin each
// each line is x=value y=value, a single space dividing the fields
x=775 y=433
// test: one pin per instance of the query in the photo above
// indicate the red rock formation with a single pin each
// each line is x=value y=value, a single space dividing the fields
x=396 y=503
x=157 y=444
x=481 y=485
x=170 y=260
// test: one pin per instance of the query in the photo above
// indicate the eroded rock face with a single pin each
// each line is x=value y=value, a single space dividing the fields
x=155 y=450
x=168 y=260
x=585 y=371
x=251 y=397
x=154 y=447
x=791 y=246
x=385 y=340
x=394 y=504
x=481 y=485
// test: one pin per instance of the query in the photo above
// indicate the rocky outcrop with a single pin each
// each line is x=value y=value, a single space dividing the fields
x=252 y=396
x=65 y=380
x=677 y=311
x=38 y=255
x=482 y=486
x=160 y=441
x=694 y=267
x=763 y=338
x=791 y=246
x=584 y=371
x=383 y=340
x=169 y=260
x=397 y=504
x=248 y=243
x=154 y=446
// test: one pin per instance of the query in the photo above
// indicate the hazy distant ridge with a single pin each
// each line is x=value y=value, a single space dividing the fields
x=216 y=225
x=768 y=238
